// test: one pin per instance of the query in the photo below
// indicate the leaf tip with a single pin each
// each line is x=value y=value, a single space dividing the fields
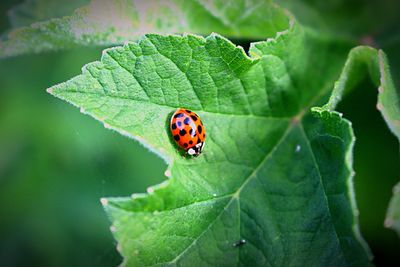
x=104 y=201
x=50 y=90
x=214 y=34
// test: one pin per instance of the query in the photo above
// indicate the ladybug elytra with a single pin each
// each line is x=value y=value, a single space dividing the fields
x=188 y=131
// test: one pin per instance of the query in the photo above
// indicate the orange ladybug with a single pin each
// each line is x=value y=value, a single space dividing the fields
x=188 y=131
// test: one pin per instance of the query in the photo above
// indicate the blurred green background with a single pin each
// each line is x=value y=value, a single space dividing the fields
x=55 y=164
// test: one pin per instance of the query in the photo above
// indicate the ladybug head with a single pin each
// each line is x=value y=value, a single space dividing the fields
x=196 y=150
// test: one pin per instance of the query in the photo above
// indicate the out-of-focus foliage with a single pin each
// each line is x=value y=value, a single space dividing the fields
x=348 y=18
x=48 y=168
x=393 y=215
x=32 y=11
x=52 y=174
x=104 y=22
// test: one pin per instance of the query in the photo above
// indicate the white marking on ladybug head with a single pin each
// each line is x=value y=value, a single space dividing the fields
x=191 y=151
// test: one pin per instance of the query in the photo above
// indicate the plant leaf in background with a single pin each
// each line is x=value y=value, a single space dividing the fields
x=339 y=18
x=272 y=173
x=363 y=60
x=104 y=22
x=348 y=18
x=32 y=11
x=366 y=60
x=393 y=213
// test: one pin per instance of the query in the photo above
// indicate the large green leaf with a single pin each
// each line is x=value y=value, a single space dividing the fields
x=105 y=22
x=272 y=172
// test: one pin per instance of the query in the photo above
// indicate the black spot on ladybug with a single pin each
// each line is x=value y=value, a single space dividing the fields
x=182 y=132
x=179 y=115
x=185 y=145
x=186 y=121
x=179 y=123
x=199 y=128
x=176 y=137
x=192 y=132
x=173 y=126
x=188 y=111
x=190 y=142
x=193 y=117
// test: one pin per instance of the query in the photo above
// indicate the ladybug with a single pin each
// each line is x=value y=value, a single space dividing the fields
x=188 y=131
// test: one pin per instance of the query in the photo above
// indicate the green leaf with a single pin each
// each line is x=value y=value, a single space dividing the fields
x=347 y=19
x=393 y=214
x=32 y=11
x=272 y=172
x=365 y=60
x=105 y=22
